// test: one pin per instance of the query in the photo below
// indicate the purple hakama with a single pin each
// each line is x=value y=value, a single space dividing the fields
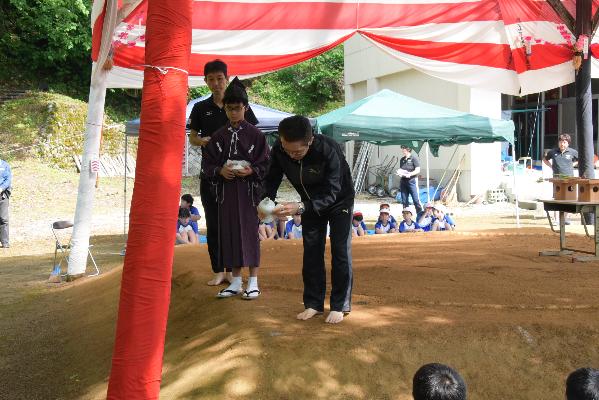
x=239 y=245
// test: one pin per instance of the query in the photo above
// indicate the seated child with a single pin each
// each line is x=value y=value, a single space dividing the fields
x=409 y=225
x=187 y=202
x=384 y=224
x=391 y=218
x=266 y=231
x=185 y=231
x=425 y=218
x=358 y=225
x=293 y=228
x=442 y=221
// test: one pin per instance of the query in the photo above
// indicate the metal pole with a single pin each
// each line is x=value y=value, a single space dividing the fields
x=514 y=163
x=584 y=105
x=428 y=183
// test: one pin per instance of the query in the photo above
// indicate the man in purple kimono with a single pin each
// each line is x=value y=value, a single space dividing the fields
x=236 y=160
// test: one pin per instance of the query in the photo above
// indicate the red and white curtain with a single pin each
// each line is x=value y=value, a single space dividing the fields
x=510 y=46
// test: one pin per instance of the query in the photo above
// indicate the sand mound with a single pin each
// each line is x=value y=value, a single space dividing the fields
x=512 y=323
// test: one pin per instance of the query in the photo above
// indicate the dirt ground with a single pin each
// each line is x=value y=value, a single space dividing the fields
x=514 y=324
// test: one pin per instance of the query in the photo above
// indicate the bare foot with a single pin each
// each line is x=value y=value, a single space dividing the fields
x=218 y=278
x=308 y=313
x=334 y=317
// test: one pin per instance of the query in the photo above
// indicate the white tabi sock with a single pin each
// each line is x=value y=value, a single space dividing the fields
x=235 y=284
x=252 y=283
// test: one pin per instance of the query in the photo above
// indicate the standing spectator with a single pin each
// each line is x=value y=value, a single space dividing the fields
x=562 y=161
x=438 y=382
x=316 y=167
x=409 y=225
x=187 y=202
x=358 y=225
x=384 y=224
x=442 y=221
x=185 y=231
x=293 y=228
x=409 y=168
x=5 y=188
x=207 y=116
x=236 y=159
x=583 y=384
x=426 y=217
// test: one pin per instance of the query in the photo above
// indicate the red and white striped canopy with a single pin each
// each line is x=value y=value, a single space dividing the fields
x=479 y=43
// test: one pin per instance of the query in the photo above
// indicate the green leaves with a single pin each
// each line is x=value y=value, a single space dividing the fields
x=310 y=88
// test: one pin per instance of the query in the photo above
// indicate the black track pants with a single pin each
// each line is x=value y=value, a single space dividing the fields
x=314 y=229
x=211 y=215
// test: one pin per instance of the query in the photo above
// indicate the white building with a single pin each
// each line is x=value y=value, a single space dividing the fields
x=369 y=69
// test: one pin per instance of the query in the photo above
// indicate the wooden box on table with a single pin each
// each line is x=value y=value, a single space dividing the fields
x=565 y=189
x=588 y=190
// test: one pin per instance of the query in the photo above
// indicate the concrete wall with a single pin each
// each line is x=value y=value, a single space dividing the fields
x=369 y=69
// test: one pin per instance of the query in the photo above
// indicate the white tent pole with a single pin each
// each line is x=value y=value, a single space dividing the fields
x=91 y=149
x=428 y=183
x=516 y=187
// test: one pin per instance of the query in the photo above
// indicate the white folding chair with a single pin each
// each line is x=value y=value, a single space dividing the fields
x=62 y=246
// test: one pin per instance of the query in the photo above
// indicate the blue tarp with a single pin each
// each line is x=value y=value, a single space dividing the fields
x=268 y=118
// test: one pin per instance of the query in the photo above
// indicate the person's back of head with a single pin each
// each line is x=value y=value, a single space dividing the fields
x=583 y=384
x=295 y=128
x=438 y=382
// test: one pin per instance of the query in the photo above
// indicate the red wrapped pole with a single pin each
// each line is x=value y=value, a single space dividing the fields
x=146 y=282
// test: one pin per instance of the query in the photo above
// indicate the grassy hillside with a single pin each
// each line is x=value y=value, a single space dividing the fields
x=50 y=127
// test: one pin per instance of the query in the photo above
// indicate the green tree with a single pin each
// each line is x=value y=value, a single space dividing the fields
x=45 y=41
x=312 y=87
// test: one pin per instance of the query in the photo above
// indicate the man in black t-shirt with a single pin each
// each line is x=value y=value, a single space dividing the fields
x=409 y=168
x=206 y=117
x=562 y=159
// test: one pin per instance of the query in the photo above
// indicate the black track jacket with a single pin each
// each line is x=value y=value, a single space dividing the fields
x=322 y=177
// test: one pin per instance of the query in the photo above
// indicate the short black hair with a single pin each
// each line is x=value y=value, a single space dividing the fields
x=188 y=198
x=295 y=128
x=215 y=66
x=438 y=382
x=184 y=212
x=583 y=384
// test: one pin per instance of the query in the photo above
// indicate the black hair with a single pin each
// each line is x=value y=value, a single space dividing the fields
x=215 y=66
x=184 y=212
x=295 y=128
x=583 y=384
x=188 y=198
x=438 y=382
x=359 y=218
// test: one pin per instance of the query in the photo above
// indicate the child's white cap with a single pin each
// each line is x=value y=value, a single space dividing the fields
x=440 y=207
x=385 y=210
x=411 y=209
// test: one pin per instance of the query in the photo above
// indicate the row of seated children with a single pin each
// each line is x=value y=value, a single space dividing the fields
x=441 y=382
x=281 y=228
x=434 y=217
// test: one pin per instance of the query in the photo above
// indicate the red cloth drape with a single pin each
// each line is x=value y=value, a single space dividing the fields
x=146 y=282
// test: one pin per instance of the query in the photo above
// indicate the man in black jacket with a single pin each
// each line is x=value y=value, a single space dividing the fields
x=316 y=167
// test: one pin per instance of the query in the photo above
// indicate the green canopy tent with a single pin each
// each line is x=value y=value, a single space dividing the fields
x=389 y=118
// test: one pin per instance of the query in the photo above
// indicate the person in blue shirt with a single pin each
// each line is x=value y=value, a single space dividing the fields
x=293 y=228
x=426 y=217
x=185 y=232
x=358 y=225
x=408 y=224
x=266 y=231
x=5 y=188
x=384 y=224
x=187 y=202
x=442 y=221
